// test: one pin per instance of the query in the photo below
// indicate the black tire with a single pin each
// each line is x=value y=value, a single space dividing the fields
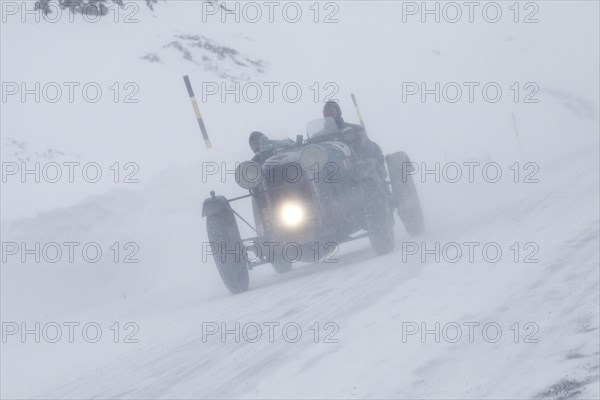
x=379 y=218
x=405 y=193
x=223 y=231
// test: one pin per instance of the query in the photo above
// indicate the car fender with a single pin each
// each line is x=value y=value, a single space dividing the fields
x=215 y=205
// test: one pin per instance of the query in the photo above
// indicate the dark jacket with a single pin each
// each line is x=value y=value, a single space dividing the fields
x=364 y=147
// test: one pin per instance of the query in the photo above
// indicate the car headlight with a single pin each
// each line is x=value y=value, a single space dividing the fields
x=313 y=155
x=248 y=174
x=291 y=214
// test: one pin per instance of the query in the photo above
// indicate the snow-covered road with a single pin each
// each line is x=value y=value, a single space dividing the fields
x=361 y=317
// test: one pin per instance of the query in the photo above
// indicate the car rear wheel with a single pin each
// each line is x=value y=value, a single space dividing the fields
x=406 y=198
x=227 y=246
x=379 y=218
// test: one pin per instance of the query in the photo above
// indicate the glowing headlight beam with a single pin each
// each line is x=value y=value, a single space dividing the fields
x=291 y=214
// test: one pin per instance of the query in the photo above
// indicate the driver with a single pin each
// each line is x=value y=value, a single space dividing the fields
x=332 y=109
x=363 y=147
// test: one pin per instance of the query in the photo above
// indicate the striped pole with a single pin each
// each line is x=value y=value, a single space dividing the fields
x=188 y=85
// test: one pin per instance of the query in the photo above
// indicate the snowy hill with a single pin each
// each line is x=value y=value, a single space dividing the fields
x=362 y=317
